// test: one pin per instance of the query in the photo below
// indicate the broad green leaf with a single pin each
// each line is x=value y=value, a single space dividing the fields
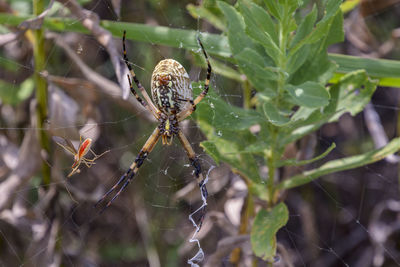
x=332 y=6
x=355 y=91
x=222 y=115
x=265 y=226
x=303 y=113
x=263 y=20
x=211 y=149
x=291 y=5
x=273 y=114
x=219 y=68
x=351 y=94
x=305 y=27
x=238 y=40
x=336 y=31
x=250 y=61
x=226 y=129
x=342 y=164
x=254 y=28
x=309 y=94
x=260 y=75
x=229 y=146
x=13 y=94
x=274 y=8
x=204 y=13
x=322 y=28
x=318 y=68
x=298 y=59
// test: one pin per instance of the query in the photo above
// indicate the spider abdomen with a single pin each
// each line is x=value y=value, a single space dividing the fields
x=170 y=87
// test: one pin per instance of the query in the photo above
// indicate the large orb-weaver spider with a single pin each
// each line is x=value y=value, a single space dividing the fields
x=171 y=91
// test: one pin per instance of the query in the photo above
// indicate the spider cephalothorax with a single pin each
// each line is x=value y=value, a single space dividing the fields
x=173 y=102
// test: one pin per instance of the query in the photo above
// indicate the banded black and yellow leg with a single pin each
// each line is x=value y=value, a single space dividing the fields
x=138 y=98
x=197 y=171
x=185 y=113
x=127 y=177
x=148 y=103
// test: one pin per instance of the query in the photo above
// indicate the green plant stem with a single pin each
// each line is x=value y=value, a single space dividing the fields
x=41 y=91
x=273 y=153
x=247 y=94
x=271 y=164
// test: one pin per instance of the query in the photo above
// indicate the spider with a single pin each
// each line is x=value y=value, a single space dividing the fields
x=173 y=102
x=79 y=156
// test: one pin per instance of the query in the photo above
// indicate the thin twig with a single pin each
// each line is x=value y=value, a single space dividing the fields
x=91 y=20
x=108 y=87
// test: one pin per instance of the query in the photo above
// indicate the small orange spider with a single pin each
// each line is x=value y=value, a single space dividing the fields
x=79 y=156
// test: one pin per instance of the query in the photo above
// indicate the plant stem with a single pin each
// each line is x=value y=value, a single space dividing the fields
x=41 y=91
x=247 y=94
x=273 y=153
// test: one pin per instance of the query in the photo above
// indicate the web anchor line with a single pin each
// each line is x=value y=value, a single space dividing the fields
x=199 y=257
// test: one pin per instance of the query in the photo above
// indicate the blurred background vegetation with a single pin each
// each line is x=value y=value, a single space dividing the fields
x=348 y=218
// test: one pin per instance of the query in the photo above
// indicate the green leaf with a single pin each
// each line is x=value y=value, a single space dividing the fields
x=291 y=5
x=204 y=13
x=255 y=18
x=295 y=162
x=318 y=68
x=298 y=59
x=256 y=70
x=211 y=149
x=274 y=8
x=341 y=165
x=221 y=115
x=336 y=32
x=322 y=29
x=354 y=92
x=309 y=94
x=351 y=94
x=265 y=227
x=250 y=61
x=226 y=128
x=263 y=20
x=13 y=94
x=230 y=147
x=219 y=68
x=273 y=114
x=238 y=40
x=305 y=27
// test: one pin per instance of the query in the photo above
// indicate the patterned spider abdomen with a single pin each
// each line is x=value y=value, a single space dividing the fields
x=171 y=88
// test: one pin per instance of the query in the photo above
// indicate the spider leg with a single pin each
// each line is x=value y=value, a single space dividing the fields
x=197 y=171
x=148 y=104
x=133 y=169
x=187 y=112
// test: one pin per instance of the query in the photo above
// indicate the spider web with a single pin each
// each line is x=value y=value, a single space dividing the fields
x=345 y=219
